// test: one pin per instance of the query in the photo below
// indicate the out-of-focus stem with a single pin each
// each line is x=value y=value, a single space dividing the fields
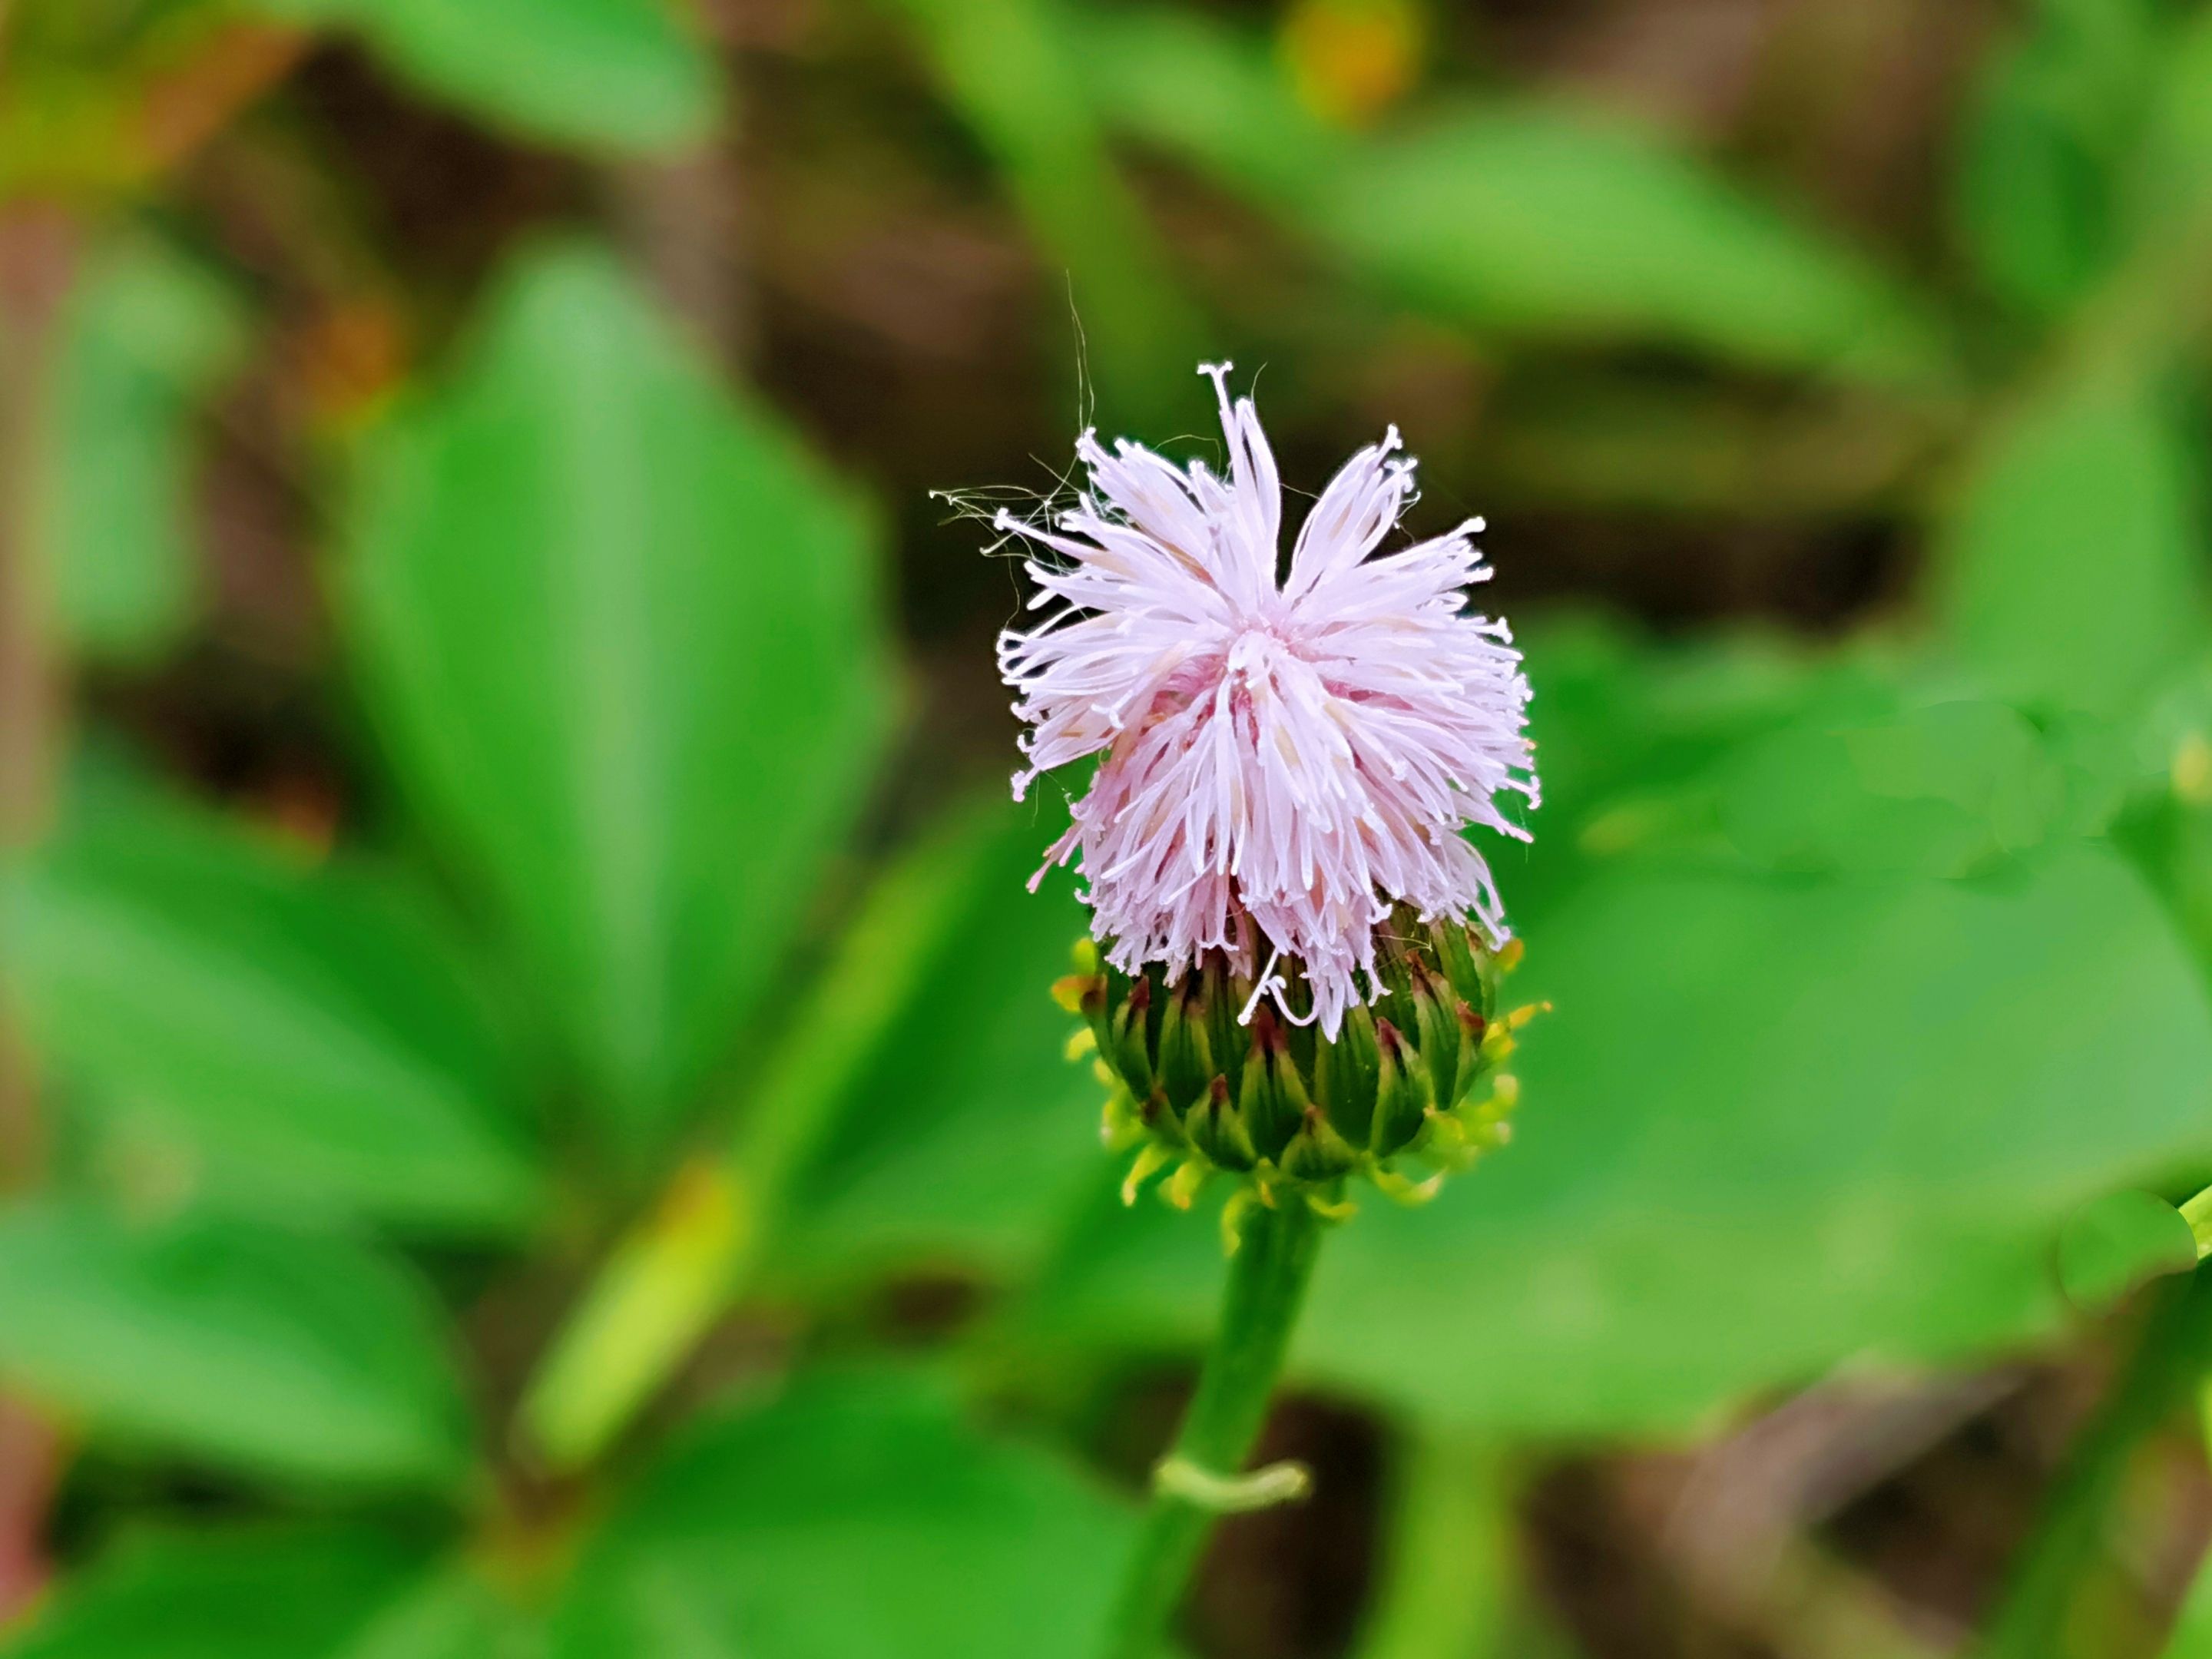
x=1013 y=70
x=2039 y=1615
x=668 y=1280
x=36 y=255
x=1267 y=1278
x=2198 y=1212
x=182 y=109
x=685 y=219
x=2191 y=1635
x=1447 y=1581
x=37 y=258
x=30 y=1468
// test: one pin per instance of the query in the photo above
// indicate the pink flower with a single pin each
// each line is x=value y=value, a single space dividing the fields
x=1284 y=760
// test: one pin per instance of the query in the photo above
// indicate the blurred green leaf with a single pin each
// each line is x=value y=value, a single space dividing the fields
x=322 y=1591
x=1531 y=219
x=1797 y=802
x=301 y=1040
x=2042 y=171
x=1773 y=1123
x=1562 y=222
x=623 y=636
x=1945 y=788
x=2171 y=186
x=965 y=1129
x=286 y=1353
x=2191 y=1637
x=450 y=1614
x=1621 y=441
x=1632 y=736
x=858 y=1516
x=147 y=337
x=2071 y=571
x=1213 y=94
x=2147 y=315
x=1014 y=71
x=680 y=1266
x=1616 y=712
x=2165 y=776
x=1754 y=748
x=1447 y=1583
x=619 y=75
x=261 y=1592
x=2114 y=1244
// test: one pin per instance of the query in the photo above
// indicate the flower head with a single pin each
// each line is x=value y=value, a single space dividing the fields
x=1288 y=755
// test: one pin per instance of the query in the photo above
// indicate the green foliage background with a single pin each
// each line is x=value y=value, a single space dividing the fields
x=470 y=1218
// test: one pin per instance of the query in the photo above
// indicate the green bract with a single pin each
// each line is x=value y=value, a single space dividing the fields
x=1280 y=1107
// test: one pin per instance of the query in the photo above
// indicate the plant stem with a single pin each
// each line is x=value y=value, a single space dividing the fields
x=1267 y=1284
x=2041 y=1614
x=666 y=1281
x=38 y=259
x=38 y=262
x=1446 y=1583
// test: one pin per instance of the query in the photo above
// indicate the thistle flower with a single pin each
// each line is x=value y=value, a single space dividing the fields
x=1288 y=756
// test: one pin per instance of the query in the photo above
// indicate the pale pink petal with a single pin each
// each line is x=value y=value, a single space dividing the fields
x=1283 y=762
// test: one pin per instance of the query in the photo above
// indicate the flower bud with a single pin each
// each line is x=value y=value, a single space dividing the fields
x=1216 y=1128
x=1317 y=1153
x=1206 y=1078
x=1404 y=1093
x=1435 y=1018
x=1130 y=1053
x=1276 y=1093
x=1347 y=1074
x=1186 y=1054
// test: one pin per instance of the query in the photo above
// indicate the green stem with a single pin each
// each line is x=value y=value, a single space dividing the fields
x=1445 y=1584
x=2045 y=1612
x=1267 y=1284
x=667 y=1280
